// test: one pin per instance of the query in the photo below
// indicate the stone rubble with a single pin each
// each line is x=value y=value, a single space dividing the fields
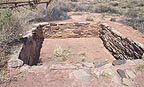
x=108 y=75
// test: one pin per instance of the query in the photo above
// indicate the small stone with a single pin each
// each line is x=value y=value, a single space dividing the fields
x=53 y=24
x=118 y=62
x=97 y=73
x=116 y=79
x=100 y=64
x=82 y=75
x=107 y=73
x=138 y=61
x=13 y=63
x=126 y=82
x=121 y=73
x=130 y=73
x=143 y=56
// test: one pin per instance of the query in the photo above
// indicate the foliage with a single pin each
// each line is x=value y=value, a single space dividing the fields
x=61 y=54
x=10 y=29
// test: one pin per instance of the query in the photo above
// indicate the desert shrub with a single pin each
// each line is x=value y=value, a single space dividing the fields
x=136 y=23
x=89 y=18
x=84 y=7
x=102 y=8
x=135 y=18
x=55 y=11
x=10 y=29
x=61 y=54
x=74 y=0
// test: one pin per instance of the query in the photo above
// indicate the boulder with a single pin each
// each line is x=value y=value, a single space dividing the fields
x=14 y=63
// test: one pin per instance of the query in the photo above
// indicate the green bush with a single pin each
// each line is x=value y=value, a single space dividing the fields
x=10 y=29
x=103 y=8
x=55 y=11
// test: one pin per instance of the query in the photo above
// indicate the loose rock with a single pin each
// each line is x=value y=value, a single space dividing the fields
x=138 y=61
x=116 y=79
x=24 y=68
x=130 y=74
x=82 y=75
x=121 y=73
x=107 y=73
x=89 y=65
x=99 y=64
x=118 y=62
x=126 y=82
x=13 y=63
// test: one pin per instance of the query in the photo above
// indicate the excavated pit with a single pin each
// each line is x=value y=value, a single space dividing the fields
x=73 y=43
x=77 y=42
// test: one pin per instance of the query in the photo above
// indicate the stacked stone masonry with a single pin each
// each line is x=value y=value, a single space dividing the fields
x=122 y=48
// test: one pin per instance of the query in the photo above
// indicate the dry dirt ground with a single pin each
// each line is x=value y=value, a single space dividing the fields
x=75 y=68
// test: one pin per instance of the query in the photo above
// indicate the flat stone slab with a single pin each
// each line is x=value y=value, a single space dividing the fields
x=82 y=75
x=130 y=73
x=88 y=65
x=121 y=73
x=126 y=82
x=116 y=79
x=100 y=64
x=118 y=62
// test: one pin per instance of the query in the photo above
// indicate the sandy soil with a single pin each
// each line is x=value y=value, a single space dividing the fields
x=90 y=49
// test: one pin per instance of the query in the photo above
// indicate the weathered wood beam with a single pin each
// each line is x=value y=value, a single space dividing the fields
x=21 y=4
